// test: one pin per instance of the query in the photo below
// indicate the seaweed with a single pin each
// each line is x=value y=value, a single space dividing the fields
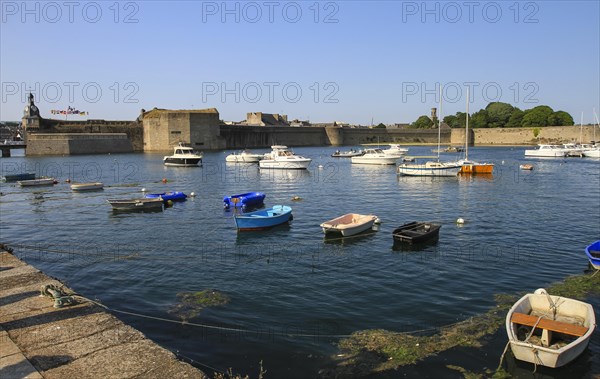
x=192 y=303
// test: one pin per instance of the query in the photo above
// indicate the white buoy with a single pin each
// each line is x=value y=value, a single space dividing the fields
x=193 y=194
x=377 y=221
x=320 y=166
x=143 y=190
x=460 y=220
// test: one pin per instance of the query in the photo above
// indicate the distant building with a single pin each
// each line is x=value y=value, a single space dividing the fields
x=266 y=119
x=398 y=126
x=299 y=123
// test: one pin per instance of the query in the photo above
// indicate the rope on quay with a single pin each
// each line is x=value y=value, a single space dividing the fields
x=248 y=331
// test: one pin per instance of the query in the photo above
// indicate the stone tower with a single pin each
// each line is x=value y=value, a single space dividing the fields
x=31 y=120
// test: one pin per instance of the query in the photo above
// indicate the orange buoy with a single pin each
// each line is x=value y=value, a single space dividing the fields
x=164 y=180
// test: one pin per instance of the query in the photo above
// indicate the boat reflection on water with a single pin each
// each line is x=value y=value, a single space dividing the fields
x=422 y=246
x=520 y=369
x=274 y=232
x=333 y=239
x=468 y=177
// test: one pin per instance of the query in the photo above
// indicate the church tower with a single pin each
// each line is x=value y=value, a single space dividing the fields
x=31 y=121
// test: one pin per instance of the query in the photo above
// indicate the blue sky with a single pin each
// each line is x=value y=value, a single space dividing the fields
x=352 y=61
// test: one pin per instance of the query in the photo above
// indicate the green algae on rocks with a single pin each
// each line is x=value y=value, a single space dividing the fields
x=192 y=303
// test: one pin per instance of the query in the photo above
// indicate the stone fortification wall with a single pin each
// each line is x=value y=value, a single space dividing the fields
x=78 y=143
x=527 y=136
x=133 y=129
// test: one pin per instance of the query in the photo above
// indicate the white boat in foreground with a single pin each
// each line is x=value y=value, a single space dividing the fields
x=183 y=156
x=375 y=156
x=244 y=156
x=87 y=186
x=592 y=153
x=282 y=158
x=547 y=151
x=37 y=182
x=349 y=224
x=549 y=330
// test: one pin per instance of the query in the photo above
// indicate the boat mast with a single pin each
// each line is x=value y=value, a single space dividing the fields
x=440 y=122
x=467 y=129
x=581 y=129
x=597 y=122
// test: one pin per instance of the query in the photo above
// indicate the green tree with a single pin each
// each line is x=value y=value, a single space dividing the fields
x=498 y=114
x=560 y=118
x=380 y=126
x=422 y=122
x=537 y=116
x=451 y=121
x=479 y=119
x=516 y=118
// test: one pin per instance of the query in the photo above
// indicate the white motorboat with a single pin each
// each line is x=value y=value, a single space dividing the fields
x=592 y=153
x=431 y=168
x=547 y=151
x=375 y=156
x=395 y=151
x=87 y=186
x=349 y=224
x=282 y=158
x=183 y=156
x=549 y=330
x=244 y=156
x=37 y=182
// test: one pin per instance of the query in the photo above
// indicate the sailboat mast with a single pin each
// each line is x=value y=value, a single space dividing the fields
x=467 y=129
x=440 y=122
x=581 y=129
x=597 y=122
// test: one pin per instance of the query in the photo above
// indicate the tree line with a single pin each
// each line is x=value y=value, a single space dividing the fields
x=501 y=115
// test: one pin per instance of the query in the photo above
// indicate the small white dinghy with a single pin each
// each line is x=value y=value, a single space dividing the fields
x=87 y=186
x=37 y=182
x=349 y=224
x=549 y=330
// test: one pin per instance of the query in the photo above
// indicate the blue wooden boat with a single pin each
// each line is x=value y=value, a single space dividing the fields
x=19 y=177
x=593 y=254
x=244 y=200
x=264 y=218
x=166 y=196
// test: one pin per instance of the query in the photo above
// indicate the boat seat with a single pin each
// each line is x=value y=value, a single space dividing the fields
x=551 y=325
x=595 y=253
x=410 y=233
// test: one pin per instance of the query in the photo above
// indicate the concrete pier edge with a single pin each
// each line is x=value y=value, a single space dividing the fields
x=78 y=341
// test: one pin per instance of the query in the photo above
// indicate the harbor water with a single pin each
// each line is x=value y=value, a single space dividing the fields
x=292 y=293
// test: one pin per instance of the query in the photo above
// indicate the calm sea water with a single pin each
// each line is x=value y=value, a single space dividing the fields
x=292 y=293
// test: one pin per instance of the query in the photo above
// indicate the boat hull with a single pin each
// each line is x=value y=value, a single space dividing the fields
x=87 y=186
x=538 y=304
x=145 y=204
x=243 y=158
x=427 y=170
x=295 y=164
x=416 y=232
x=245 y=200
x=19 y=177
x=348 y=224
x=263 y=219
x=167 y=196
x=37 y=182
x=477 y=168
x=384 y=160
x=593 y=253
x=181 y=162
x=594 y=153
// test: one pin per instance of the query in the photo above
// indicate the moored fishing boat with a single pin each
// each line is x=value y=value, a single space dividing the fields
x=469 y=166
x=87 y=186
x=395 y=150
x=552 y=151
x=145 y=204
x=167 y=196
x=282 y=158
x=264 y=218
x=244 y=200
x=183 y=156
x=549 y=330
x=593 y=253
x=348 y=224
x=347 y=154
x=37 y=182
x=417 y=232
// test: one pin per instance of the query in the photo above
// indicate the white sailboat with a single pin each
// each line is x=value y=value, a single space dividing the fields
x=469 y=166
x=594 y=152
x=432 y=168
